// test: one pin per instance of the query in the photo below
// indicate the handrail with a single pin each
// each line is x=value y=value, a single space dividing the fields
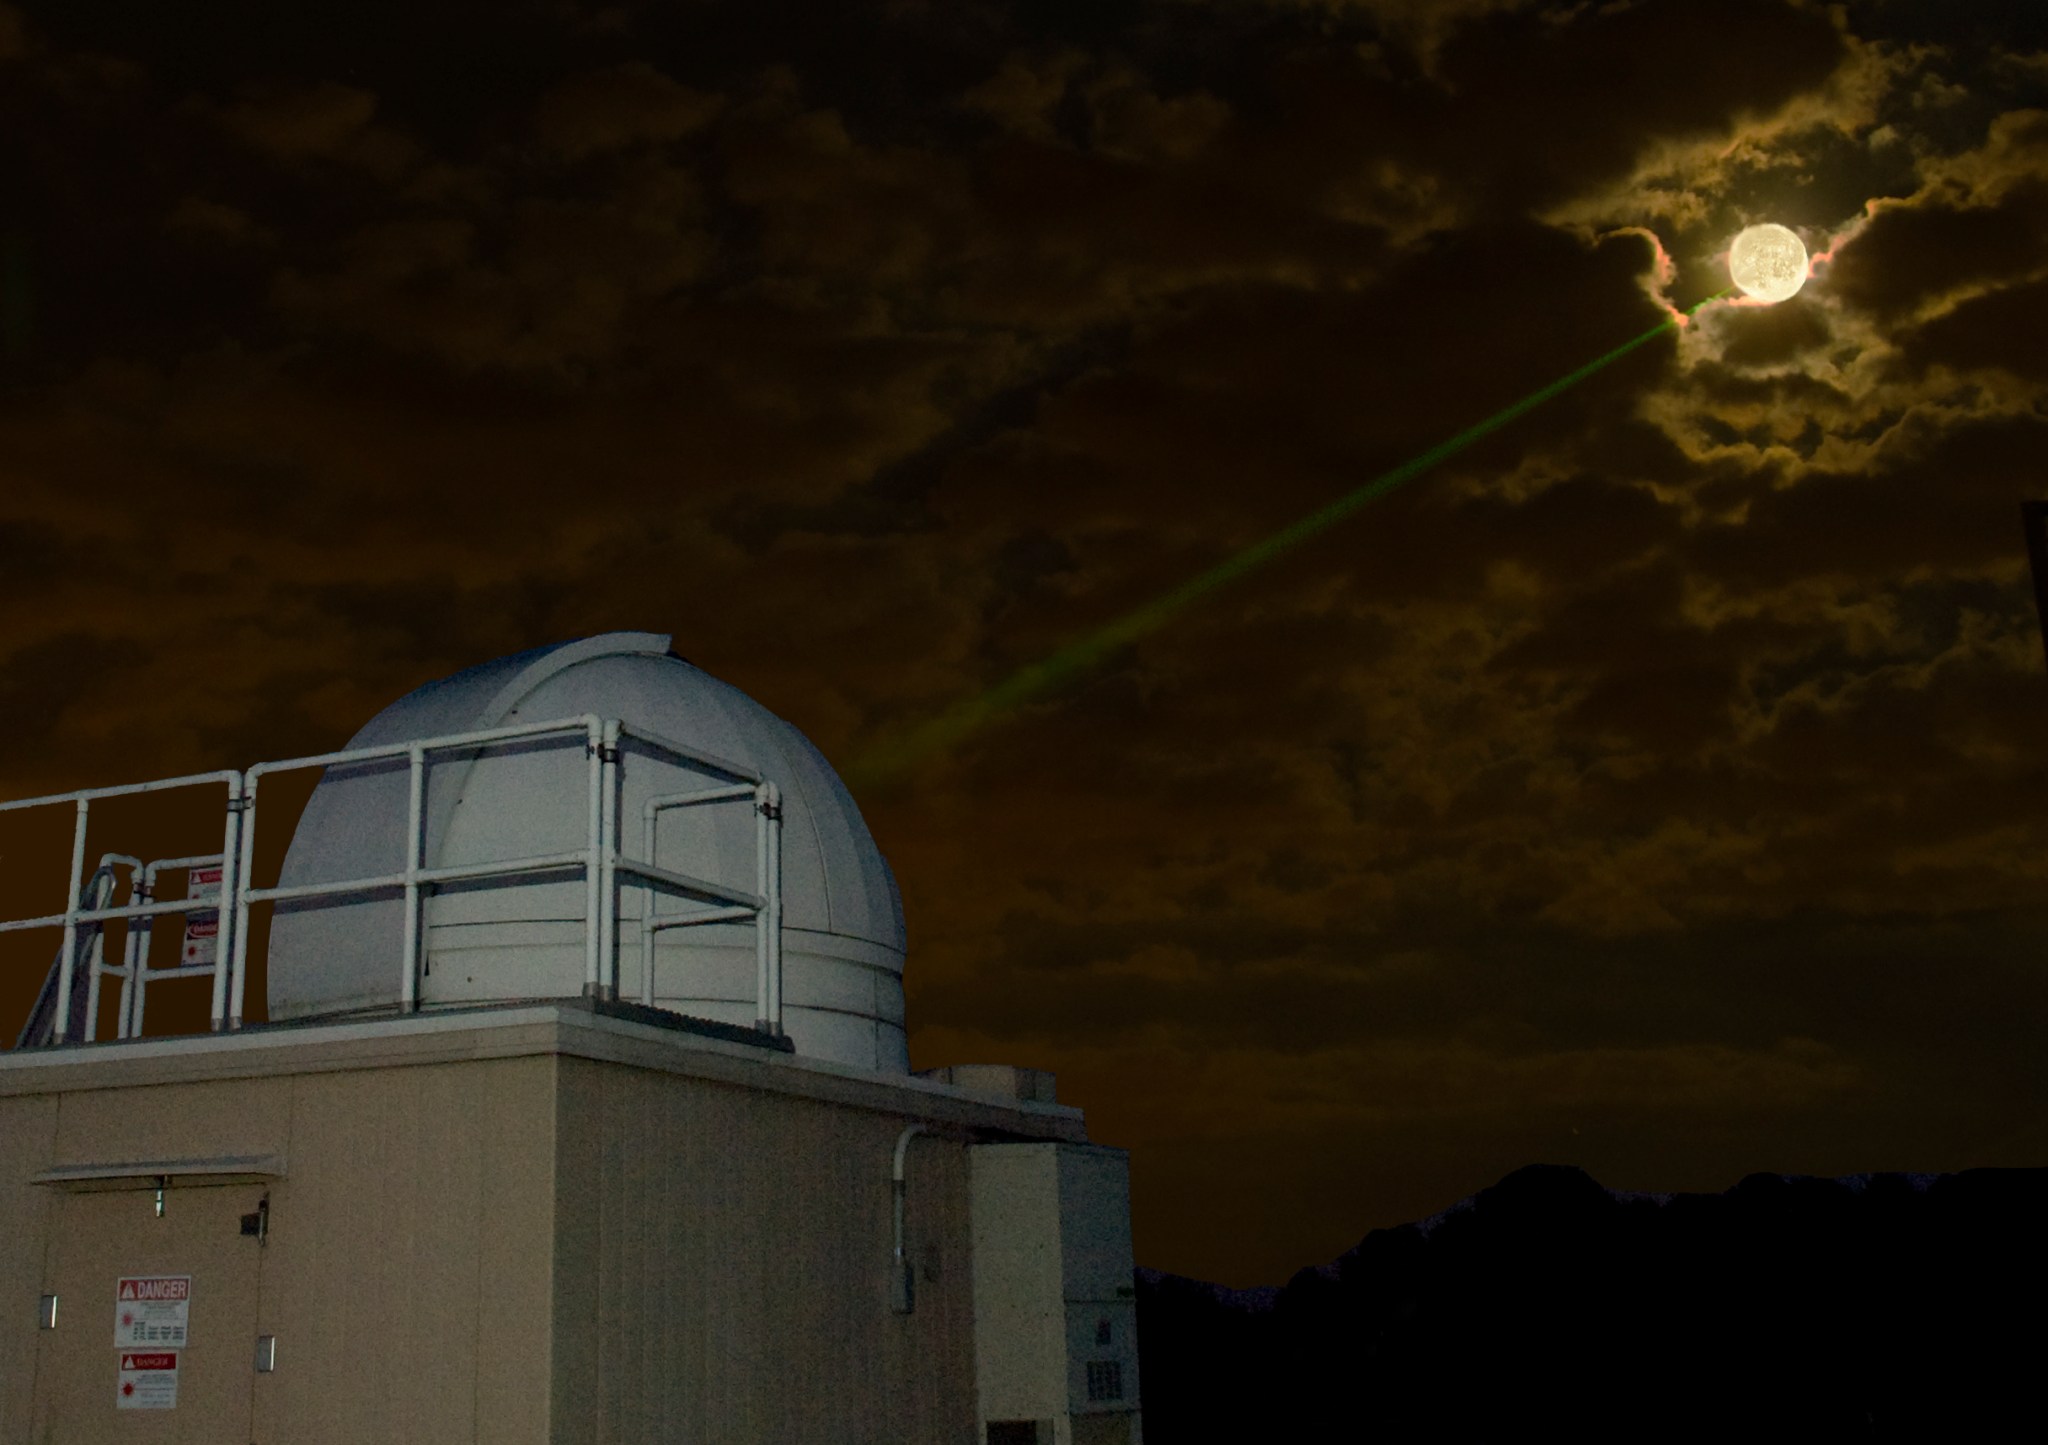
x=135 y=970
x=599 y=860
x=766 y=906
x=73 y=914
x=82 y=795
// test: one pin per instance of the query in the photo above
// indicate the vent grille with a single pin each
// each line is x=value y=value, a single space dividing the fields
x=1105 y=1380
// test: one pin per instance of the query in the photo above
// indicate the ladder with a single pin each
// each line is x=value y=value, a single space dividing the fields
x=134 y=971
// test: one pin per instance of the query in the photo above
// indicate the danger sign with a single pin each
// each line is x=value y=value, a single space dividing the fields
x=152 y=1310
x=147 y=1381
x=202 y=937
x=202 y=929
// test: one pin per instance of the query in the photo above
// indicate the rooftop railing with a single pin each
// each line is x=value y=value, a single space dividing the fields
x=599 y=861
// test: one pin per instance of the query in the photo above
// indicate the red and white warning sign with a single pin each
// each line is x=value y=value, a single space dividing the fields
x=152 y=1310
x=202 y=929
x=202 y=936
x=149 y=1380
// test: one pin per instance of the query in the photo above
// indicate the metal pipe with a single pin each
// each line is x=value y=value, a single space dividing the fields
x=134 y=958
x=685 y=885
x=647 y=930
x=245 y=871
x=96 y=964
x=650 y=822
x=48 y=920
x=772 y=909
x=588 y=722
x=594 y=865
x=142 y=933
x=452 y=873
x=762 y=963
x=95 y=961
x=677 y=752
x=415 y=808
x=704 y=795
x=152 y=909
x=227 y=914
x=706 y=915
x=902 y=1286
x=608 y=939
x=121 y=790
x=183 y=971
x=62 y=1029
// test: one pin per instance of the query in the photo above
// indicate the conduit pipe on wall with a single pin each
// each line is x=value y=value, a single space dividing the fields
x=902 y=1288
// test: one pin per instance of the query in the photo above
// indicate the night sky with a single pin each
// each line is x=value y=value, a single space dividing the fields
x=1654 y=787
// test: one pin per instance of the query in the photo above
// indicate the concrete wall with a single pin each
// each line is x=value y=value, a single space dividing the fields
x=417 y=1204
x=1052 y=1277
x=1021 y=1365
x=407 y=1275
x=524 y=1228
x=722 y=1270
x=28 y=1134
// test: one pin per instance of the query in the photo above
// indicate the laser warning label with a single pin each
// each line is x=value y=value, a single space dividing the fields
x=149 y=1381
x=152 y=1310
x=202 y=940
x=202 y=929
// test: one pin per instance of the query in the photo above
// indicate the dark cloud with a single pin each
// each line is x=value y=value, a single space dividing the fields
x=1998 y=329
x=1550 y=102
x=1910 y=255
x=612 y=109
x=43 y=683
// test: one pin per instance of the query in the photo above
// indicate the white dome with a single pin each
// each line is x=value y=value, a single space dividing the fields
x=843 y=938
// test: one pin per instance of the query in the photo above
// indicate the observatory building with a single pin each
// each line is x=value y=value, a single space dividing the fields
x=583 y=1111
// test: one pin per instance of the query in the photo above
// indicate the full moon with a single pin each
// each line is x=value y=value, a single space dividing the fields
x=1768 y=262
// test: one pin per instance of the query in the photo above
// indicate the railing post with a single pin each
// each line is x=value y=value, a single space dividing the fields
x=768 y=920
x=593 y=868
x=774 y=909
x=761 y=914
x=608 y=941
x=650 y=851
x=245 y=873
x=140 y=890
x=95 y=956
x=415 y=816
x=61 y=1031
x=229 y=915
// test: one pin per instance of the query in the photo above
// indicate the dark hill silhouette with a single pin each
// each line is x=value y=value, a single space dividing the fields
x=1876 y=1307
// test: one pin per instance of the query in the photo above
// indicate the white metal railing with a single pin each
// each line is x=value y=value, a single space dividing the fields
x=77 y=911
x=134 y=970
x=603 y=868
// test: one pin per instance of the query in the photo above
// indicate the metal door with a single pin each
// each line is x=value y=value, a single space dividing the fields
x=83 y=1394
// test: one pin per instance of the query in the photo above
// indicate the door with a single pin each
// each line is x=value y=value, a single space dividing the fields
x=125 y=1362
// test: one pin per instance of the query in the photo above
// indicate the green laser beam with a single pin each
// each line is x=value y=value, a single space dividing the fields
x=970 y=715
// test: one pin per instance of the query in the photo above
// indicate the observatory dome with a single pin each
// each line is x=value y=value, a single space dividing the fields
x=842 y=936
